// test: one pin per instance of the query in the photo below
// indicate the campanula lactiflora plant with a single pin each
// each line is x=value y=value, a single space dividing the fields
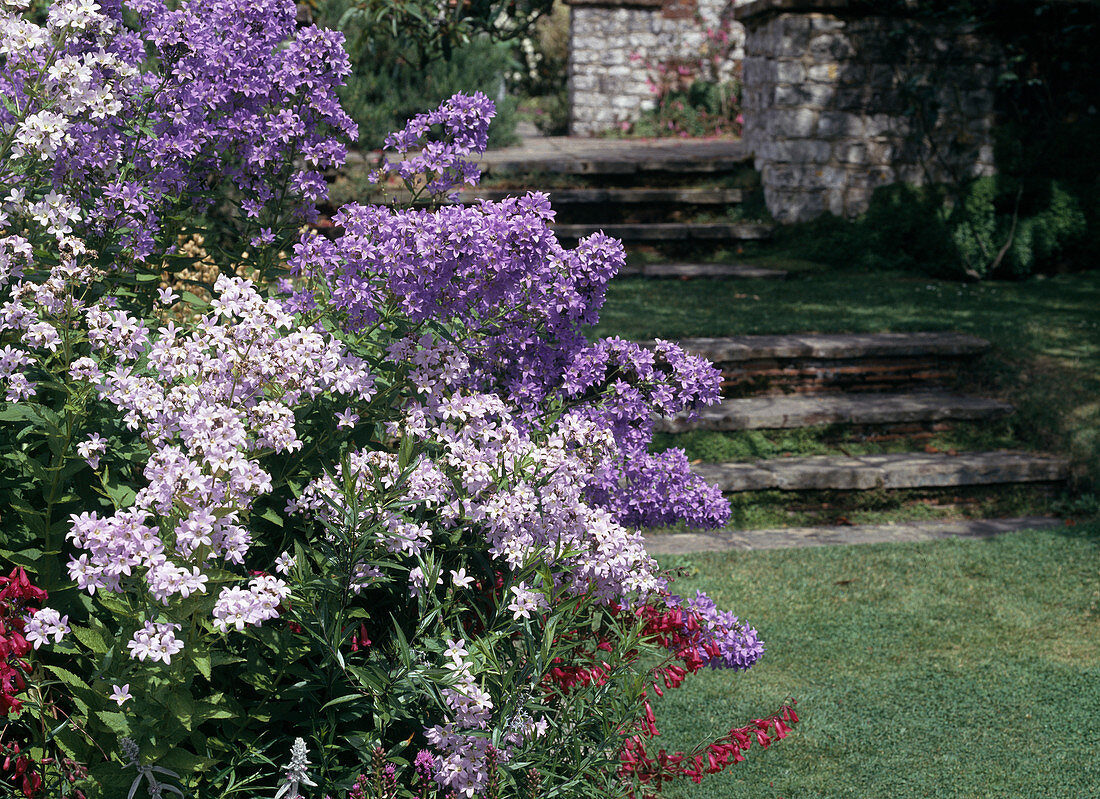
x=375 y=501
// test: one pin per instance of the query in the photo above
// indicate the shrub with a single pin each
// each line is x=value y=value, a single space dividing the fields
x=397 y=69
x=355 y=511
x=990 y=228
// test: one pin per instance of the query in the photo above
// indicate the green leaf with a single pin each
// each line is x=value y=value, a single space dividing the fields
x=115 y=721
x=16 y=413
x=341 y=700
x=67 y=677
x=182 y=706
x=270 y=515
x=202 y=663
x=91 y=639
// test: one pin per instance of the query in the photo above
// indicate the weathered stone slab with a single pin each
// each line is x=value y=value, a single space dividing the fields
x=744 y=271
x=866 y=472
x=789 y=537
x=625 y=196
x=841 y=345
x=760 y=413
x=583 y=156
x=583 y=196
x=670 y=231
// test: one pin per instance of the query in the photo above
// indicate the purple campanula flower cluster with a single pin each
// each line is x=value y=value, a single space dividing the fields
x=433 y=146
x=495 y=274
x=113 y=125
x=726 y=642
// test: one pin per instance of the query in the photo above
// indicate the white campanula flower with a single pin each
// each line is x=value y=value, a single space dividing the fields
x=346 y=419
x=93 y=447
x=456 y=651
x=284 y=563
x=524 y=601
x=42 y=134
x=237 y=607
x=44 y=623
x=155 y=641
x=459 y=579
x=121 y=695
x=73 y=15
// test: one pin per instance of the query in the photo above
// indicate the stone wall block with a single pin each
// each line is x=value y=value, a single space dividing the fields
x=881 y=152
x=856 y=201
x=791 y=176
x=833 y=177
x=826 y=22
x=585 y=82
x=825 y=73
x=851 y=152
x=915 y=173
x=885 y=125
x=789 y=72
x=831 y=47
x=794 y=205
x=811 y=95
x=852 y=99
x=755 y=71
x=791 y=35
x=832 y=125
x=803 y=151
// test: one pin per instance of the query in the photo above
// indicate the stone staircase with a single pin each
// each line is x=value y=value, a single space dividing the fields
x=645 y=194
x=886 y=387
x=853 y=381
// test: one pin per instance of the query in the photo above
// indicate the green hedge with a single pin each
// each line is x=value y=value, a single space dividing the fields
x=991 y=227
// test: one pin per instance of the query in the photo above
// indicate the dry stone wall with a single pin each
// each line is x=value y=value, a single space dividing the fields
x=616 y=44
x=837 y=103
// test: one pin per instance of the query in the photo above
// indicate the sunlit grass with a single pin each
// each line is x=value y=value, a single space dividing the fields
x=951 y=668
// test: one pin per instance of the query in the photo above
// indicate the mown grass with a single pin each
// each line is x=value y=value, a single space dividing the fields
x=944 y=669
x=1045 y=332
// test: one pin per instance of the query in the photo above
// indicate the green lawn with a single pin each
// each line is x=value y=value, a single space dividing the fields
x=1045 y=333
x=952 y=668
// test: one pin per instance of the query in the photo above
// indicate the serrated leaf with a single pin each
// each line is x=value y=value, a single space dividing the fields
x=115 y=721
x=182 y=706
x=67 y=677
x=91 y=639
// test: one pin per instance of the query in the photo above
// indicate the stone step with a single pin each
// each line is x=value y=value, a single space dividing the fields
x=677 y=270
x=762 y=413
x=670 y=231
x=865 y=472
x=586 y=196
x=589 y=156
x=787 y=537
x=557 y=165
x=835 y=346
